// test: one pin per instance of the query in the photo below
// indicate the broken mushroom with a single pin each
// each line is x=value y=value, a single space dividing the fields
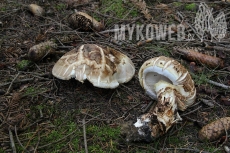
x=167 y=81
x=104 y=67
x=82 y=21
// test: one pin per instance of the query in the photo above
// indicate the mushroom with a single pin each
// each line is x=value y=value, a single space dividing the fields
x=167 y=81
x=104 y=67
x=82 y=21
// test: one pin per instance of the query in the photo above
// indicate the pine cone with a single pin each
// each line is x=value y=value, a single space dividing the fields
x=215 y=129
x=39 y=51
x=84 y=22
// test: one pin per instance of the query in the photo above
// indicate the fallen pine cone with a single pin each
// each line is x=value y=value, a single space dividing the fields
x=36 y=9
x=39 y=51
x=215 y=129
x=82 y=21
x=207 y=60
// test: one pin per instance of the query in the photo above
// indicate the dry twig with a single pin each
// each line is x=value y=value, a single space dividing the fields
x=218 y=84
x=16 y=134
x=9 y=88
x=84 y=133
x=207 y=102
x=12 y=141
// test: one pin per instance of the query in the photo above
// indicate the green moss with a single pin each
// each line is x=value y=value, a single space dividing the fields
x=22 y=65
x=175 y=140
x=190 y=7
x=33 y=91
x=114 y=6
x=104 y=134
x=162 y=50
x=177 y=4
x=60 y=6
x=30 y=90
x=99 y=138
x=3 y=9
x=201 y=78
x=118 y=9
x=209 y=148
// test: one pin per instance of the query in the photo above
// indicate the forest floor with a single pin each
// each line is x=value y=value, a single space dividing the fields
x=40 y=113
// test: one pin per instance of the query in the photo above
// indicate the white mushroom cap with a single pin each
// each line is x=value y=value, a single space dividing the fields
x=104 y=67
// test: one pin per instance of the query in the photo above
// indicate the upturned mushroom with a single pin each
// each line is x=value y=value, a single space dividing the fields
x=167 y=81
x=104 y=67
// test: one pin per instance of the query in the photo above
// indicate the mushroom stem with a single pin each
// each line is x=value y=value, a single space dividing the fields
x=166 y=108
x=164 y=114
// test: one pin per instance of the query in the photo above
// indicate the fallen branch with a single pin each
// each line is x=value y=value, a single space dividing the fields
x=225 y=49
x=20 y=81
